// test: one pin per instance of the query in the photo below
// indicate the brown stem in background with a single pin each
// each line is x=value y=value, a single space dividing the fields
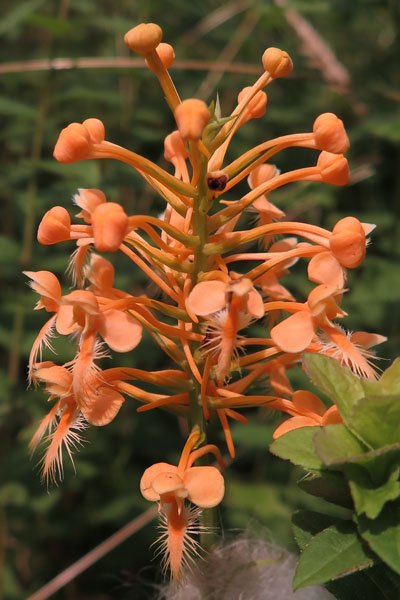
x=94 y=555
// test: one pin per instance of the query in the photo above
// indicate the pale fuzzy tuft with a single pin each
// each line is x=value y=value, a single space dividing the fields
x=245 y=569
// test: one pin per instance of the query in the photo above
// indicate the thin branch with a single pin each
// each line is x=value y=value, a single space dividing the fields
x=94 y=555
x=119 y=62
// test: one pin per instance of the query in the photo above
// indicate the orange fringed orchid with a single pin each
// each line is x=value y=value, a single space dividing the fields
x=171 y=486
x=187 y=254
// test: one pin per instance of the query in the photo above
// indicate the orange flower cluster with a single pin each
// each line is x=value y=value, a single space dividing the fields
x=206 y=306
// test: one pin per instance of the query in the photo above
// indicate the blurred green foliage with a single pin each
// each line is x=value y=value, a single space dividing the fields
x=42 y=532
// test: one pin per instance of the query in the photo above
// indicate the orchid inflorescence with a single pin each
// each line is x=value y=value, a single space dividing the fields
x=194 y=254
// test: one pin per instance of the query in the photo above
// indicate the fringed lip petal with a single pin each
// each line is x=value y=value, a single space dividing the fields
x=120 y=331
x=205 y=486
x=207 y=297
x=102 y=405
x=295 y=333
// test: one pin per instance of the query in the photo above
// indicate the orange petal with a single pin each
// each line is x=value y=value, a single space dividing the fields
x=255 y=304
x=101 y=404
x=148 y=477
x=309 y=401
x=325 y=268
x=293 y=423
x=65 y=320
x=367 y=340
x=295 y=333
x=88 y=200
x=207 y=297
x=166 y=54
x=58 y=380
x=46 y=285
x=332 y=416
x=205 y=485
x=101 y=272
x=120 y=331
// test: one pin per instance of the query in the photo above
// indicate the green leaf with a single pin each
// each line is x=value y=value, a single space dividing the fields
x=335 y=445
x=369 y=498
x=337 y=382
x=383 y=534
x=307 y=523
x=298 y=447
x=366 y=413
x=375 y=583
x=332 y=553
x=329 y=485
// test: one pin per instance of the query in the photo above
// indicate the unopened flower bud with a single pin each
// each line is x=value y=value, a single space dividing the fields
x=73 y=144
x=330 y=134
x=166 y=54
x=348 y=242
x=334 y=168
x=54 y=227
x=74 y=141
x=256 y=107
x=110 y=224
x=191 y=117
x=96 y=130
x=277 y=62
x=174 y=146
x=144 y=38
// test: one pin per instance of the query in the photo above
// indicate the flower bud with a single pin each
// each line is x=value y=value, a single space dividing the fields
x=330 y=134
x=144 y=38
x=174 y=147
x=74 y=141
x=96 y=130
x=166 y=54
x=348 y=242
x=277 y=62
x=73 y=144
x=256 y=107
x=54 y=227
x=110 y=224
x=191 y=117
x=334 y=168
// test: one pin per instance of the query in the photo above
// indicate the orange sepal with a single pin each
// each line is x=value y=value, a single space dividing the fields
x=148 y=477
x=295 y=333
x=120 y=331
x=205 y=486
x=102 y=404
x=293 y=423
x=207 y=297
